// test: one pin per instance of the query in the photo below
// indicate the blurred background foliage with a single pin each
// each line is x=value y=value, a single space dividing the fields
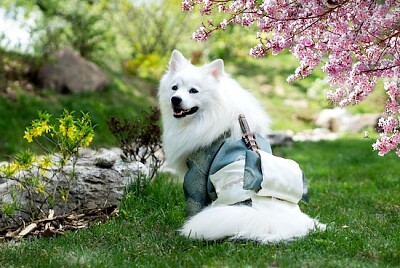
x=132 y=40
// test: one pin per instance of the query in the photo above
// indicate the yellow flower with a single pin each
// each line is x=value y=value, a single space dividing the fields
x=46 y=162
x=40 y=188
x=36 y=131
x=44 y=126
x=28 y=136
x=14 y=167
x=63 y=130
x=71 y=134
x=86 y=141
x=68 y=131
x=9 y=170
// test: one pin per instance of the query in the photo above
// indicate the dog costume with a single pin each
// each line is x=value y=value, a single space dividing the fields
x=228 y=173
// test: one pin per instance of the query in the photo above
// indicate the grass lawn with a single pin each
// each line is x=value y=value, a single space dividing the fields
x=352 y=189
x=292 y=106
x=125 y=97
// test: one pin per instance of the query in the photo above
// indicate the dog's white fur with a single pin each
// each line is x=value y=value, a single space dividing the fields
x=220 y=100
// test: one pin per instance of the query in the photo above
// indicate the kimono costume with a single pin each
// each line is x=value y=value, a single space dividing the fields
x=228 y=173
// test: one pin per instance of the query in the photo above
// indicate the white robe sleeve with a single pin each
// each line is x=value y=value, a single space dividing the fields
x=282 y=178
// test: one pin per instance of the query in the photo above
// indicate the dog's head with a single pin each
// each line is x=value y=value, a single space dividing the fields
x=186 y=90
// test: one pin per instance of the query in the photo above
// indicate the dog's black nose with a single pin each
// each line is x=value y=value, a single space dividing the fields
x=176 y=101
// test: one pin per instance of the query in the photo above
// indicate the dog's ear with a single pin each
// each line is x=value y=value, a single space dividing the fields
x=176 y=61
x=216 y=68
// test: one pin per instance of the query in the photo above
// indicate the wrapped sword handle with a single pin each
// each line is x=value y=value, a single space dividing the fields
x=248 y=137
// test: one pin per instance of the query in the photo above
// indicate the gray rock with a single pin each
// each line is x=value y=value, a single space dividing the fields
x=96 y=187
x=299 y=104
x=68 y=72
x=99 y=180
x=316 y=134
x=277 y=138
x=105 y=159
x=339 y=120
x=5 y=196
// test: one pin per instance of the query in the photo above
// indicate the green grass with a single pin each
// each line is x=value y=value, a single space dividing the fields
x=352 y=189
x=266 y=78
x=124 y=98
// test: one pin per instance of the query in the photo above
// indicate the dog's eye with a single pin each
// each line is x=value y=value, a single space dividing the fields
x=174 y=87
x=193 y=90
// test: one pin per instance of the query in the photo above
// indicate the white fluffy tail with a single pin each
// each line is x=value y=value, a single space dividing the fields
x=267 y=220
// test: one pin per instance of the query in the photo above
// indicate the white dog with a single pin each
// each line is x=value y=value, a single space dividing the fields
x=230 y=190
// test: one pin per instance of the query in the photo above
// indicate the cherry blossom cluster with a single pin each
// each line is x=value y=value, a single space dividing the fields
x=355 y=41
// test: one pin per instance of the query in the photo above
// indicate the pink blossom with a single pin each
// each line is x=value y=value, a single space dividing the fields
x=247 y=20
x=187 y=5
x=392 y=107
x=250 y=4
x=258 y=51
x=224 y=24
x=387 y=144
x=388 y=125
x=358 y=42
x=392 y=89
x=201 y=34
x=307 y=42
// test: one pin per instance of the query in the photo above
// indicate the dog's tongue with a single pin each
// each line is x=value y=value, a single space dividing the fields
x=179 y=111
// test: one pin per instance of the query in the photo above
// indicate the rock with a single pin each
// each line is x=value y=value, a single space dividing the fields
x=4 y=195
x=68 y=72
x=97 y=187
x=335 y=120
x=279 y=91
x=105 y=159
x=300 y=104
x=361 y=121
x=100 y=180
x=277 y=138
x=316 y=134
x=265 y=89
x=339 y=120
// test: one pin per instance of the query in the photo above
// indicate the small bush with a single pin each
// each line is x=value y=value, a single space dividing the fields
x=140 y=140
x=144 y=65
x=33 y=177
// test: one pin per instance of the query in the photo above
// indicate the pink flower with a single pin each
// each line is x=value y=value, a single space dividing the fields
x=392 y=107
x=187 y=5
x=387 y=143
x=358 y=42
x=392 y=89
x=308 y=43
x=224 y=24
x=201 y=34
x=258 y=51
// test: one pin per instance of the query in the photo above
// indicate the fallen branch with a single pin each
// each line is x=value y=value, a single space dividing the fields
x=58 y=225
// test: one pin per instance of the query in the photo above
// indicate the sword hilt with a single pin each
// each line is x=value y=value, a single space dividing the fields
x=243 y=124
x=248 y=137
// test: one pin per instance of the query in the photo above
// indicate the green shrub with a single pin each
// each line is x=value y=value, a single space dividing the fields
x=32 y=177
x=144 y=65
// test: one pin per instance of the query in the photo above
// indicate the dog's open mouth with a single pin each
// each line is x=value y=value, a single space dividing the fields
x=178 y=112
